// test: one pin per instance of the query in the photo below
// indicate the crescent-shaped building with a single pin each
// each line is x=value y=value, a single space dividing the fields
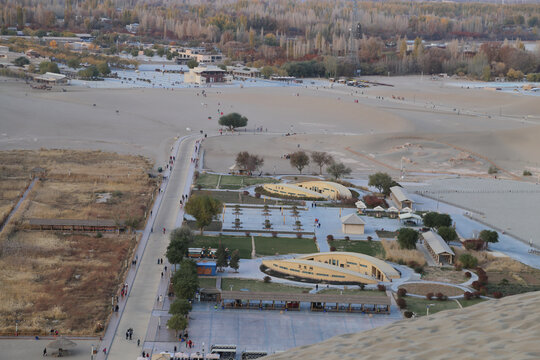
x=335 y=267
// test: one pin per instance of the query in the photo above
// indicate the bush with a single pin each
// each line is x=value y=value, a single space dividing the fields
x=429 y=296
x=248 y=233
x=468 y=295
x=408 y=314
x=329 y=237
x=401 y=303
x=419 y=270
x=381 y=287
x=468 y=274
x=333 y=248
x=476 y=294
x=497 y=294
x=274 y=234
x=527 y=173
x=373 y=201
x=402 y=292
x=347 y=238
x=492 y=170
x=458 y=267
x=267 y=279
x=258 y=195
x=99 y=235
x=299 y=235
x=407 y=238
x=362 y=286
x=468 y=261
x=369 y=238
x=476 y=285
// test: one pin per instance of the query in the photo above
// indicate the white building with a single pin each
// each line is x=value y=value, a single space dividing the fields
x=206 y=75
x=200 y=54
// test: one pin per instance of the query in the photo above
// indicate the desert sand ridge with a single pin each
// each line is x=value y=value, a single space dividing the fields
x=508 y=328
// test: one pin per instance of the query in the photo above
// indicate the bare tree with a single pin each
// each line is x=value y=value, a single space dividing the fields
x=321 y=158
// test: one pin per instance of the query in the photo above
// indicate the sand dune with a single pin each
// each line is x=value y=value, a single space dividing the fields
x=500 y=329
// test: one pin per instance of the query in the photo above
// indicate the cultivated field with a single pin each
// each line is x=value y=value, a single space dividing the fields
x=61 y=280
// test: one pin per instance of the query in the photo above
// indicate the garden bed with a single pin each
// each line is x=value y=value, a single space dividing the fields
x=424 y=288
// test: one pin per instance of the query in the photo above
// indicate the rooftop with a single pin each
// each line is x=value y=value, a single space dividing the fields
x=399 y=193
x=436 y=243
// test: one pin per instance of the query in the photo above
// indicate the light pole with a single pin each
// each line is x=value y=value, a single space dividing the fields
x=427 y=308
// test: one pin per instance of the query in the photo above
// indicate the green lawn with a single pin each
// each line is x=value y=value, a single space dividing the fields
x=210 y=181
x=258 y=286
x=354 y=292
x=418 y=305
x=236 y=197
x=271 y=246
x=207 y=282
x=371 y=248
x=242 y=243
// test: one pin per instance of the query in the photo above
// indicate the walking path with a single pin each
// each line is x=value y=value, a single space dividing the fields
x=143 y=280
x=18 y=204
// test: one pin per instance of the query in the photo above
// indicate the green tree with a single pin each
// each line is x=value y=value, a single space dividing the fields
x=407 y=238
x=203 y=208
x=468 y=261
x=180 y=307
x=299 y=160
x=233 y=120
x=321 y=158
x=382 y=182
x=148 y=52
x=21 y=61
x=448 y=233
x=103 y=68
x=74 y=63
x=268 y=71
x=436 y=220
x=90 y=72
x=235 y=260
x=185 y=280
x=178 y=323
x=337 y=170
x=47 y=66
x=489 y=236
x=192 y=63
x=180 y=239
x=221 y=257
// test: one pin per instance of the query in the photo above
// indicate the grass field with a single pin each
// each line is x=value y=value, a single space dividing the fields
x=210 y=181
x=418 y=305
x=65 y=281
x=354 y=292
x=371 y=248
x=258 y=286
x=278 y=245
x=242 y=243
x=207 y=282
x=263 y=245
x=236 y=197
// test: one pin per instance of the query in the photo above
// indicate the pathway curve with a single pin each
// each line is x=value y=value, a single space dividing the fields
x=16 y=207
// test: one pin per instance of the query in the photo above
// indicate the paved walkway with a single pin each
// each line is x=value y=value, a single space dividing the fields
x=144 y=280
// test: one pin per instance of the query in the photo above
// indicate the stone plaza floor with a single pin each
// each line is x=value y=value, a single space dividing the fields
x=268 y=330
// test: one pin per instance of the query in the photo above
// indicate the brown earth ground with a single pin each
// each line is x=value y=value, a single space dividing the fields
x=424 y=288
x=61 y=280
x=449 y=275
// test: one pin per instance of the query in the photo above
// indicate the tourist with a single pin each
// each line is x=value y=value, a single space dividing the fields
x=45 y=352
x=138 y=342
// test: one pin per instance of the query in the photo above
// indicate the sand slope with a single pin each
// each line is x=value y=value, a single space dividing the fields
x=500 y=329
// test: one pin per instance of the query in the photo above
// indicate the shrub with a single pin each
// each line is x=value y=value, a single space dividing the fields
x=468 y=295
x=401 y=303
x=402 y=292
x=527 y=173
x=274 y=233
x=474 y=244
x=248 y=233
x=369 y=238
x=408 y=314
x=493 y=170
x=333 y=248
x=362 y=286
x=419 y=270
x=381 y=287
x=99 y=235
x=347 y=238
x=407 y=238
x=299 y=235
x=476 y=285
x=372 y=201
x=258 y=195
x=468 y=274
x=267 y=279
x=497 y=294
x=442 y=297
x=468 y=261
x=429 y=296
x=329 y=237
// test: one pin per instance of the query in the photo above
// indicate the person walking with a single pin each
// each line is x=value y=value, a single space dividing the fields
x=45 y=352
x=138 y=342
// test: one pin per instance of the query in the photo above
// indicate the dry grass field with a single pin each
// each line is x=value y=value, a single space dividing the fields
x=396 y=254
x=65 y=281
